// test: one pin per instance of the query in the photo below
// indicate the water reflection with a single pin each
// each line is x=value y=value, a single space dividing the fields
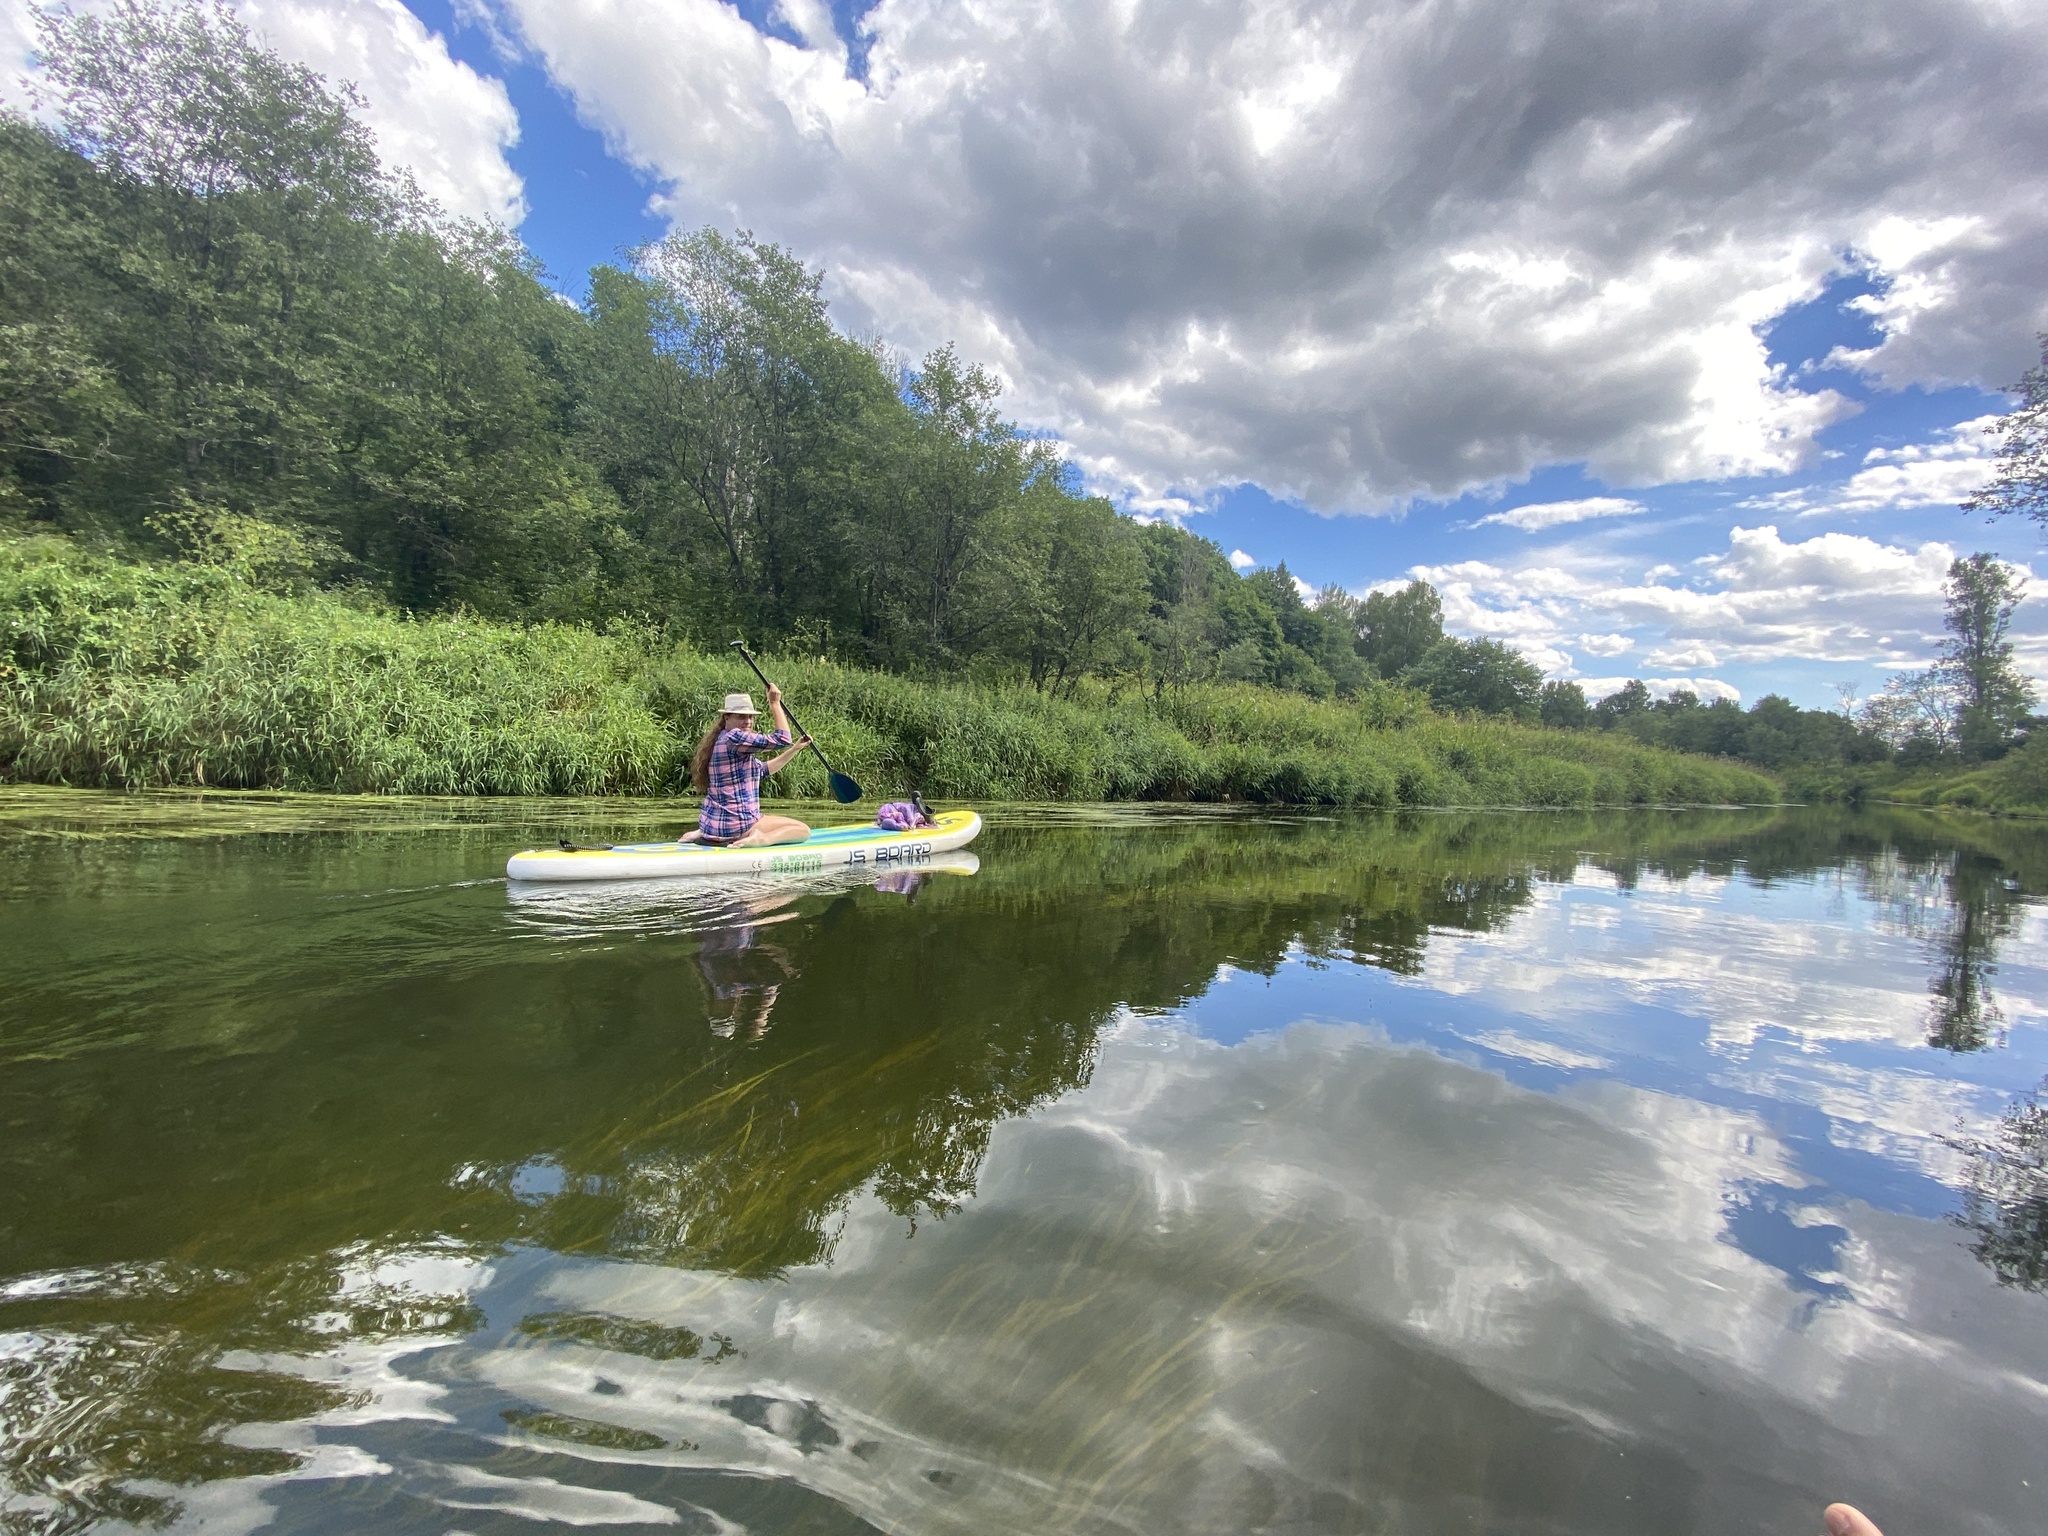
x=1312 y=1283
x=122 y=1385
x=741 y=969
x=597 y=909
x=1979 y=915
x=2005 y=1202
x=742 y=975
x=1552 y=1172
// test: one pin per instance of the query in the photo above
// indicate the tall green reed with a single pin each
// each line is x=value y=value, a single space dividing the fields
x=124 y=675
x=971 y=741
x=130 y=676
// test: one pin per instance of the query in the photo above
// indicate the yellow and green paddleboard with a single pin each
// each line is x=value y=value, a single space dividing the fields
x=829 y=848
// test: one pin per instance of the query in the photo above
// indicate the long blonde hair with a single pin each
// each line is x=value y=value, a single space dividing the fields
x=700 y=760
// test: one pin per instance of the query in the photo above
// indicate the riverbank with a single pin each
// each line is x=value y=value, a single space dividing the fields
x=119 y=675
x=2014 y=785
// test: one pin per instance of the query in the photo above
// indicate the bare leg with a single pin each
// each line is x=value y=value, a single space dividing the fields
x=692 y=835
x=770 y=831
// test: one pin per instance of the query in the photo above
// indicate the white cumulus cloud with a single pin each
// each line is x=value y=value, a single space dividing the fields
x=1605 y=645
x=1955 y=466
x=1836 y=597
x=1555 y=514
x=430 y=112
x=1360 y=250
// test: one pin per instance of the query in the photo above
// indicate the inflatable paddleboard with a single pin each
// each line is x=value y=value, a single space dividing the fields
x=865 y=847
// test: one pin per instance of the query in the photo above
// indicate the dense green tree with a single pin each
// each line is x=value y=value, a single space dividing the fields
x=746 y=436
x=234 y=198
x=1316 y=653
x=238 y=312
x=1091 y=591
x=1978 y=601
x=1182 y=629
x=1630 y=699
x=1482 y=676
x=1773 y=733
x=1249 y=637
x=1562 y=706
x=956 y=492
x=59 y=401
x=459 y=478
x=1396 y=629
x=1264 y=631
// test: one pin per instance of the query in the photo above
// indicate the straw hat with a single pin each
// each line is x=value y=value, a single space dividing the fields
x=739 y=704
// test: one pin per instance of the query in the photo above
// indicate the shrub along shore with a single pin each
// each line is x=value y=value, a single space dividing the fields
x=120 y=675
x=2013 y=785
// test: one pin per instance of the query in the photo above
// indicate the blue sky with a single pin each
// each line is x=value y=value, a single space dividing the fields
x=1349 y=284
x=583 y=206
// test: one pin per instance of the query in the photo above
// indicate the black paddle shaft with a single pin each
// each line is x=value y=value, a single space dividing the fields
x=844 y=789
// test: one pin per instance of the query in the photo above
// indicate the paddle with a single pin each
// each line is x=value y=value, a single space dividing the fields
x=844 y=790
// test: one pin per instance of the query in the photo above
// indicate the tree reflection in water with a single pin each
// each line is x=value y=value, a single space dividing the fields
x=1980 y=913
x=1962 y=901
x=2006 y=1202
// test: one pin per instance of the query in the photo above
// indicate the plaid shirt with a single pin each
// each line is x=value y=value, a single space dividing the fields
x=733 y=802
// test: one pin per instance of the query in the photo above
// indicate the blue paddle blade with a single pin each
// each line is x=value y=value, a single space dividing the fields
x=844 y=790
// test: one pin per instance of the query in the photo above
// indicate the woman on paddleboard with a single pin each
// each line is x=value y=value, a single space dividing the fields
x=728 y=775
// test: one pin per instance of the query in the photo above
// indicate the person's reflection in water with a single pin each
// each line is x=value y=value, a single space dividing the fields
x=906 y=884
x=742 y=974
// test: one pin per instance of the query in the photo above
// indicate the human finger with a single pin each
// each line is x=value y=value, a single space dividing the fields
x=1847 y=1520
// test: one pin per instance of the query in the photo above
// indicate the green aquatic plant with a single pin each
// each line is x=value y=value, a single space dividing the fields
x=624 y=1336
x=579 y=1431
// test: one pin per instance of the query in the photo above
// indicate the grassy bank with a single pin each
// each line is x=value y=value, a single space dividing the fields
x=2014 y=785
x=123 y=676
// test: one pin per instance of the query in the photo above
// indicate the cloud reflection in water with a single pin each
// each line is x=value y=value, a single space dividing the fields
x=1315 y=1281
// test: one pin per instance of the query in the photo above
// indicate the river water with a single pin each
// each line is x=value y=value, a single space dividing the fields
x=1151 y=1171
